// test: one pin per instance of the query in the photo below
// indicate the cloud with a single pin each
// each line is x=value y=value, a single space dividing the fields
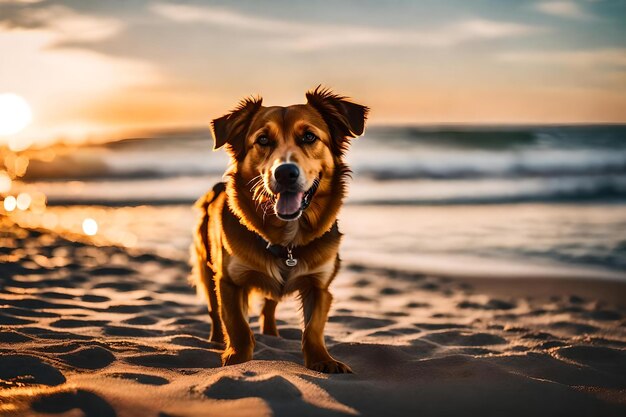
x=305 y=36
x=20 y=1
x=45 y=72
x=65 y=24
x=607 y=57
x=566 y=9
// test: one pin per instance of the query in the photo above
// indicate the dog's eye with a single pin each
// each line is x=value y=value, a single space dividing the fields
x=309 y=137
x=263 y=140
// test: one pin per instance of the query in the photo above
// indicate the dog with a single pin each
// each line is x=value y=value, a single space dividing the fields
x=271 y=227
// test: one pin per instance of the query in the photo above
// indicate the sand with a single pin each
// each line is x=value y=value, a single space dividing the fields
x=103 y=331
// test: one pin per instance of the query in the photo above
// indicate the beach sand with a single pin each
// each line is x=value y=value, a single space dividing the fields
x=104 y=331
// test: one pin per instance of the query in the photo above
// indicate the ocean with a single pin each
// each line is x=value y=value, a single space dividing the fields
x=469 y=198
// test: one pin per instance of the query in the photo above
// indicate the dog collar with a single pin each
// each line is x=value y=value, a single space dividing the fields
x=290 y=253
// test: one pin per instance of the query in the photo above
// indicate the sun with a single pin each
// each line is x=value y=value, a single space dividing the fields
x=15 y=114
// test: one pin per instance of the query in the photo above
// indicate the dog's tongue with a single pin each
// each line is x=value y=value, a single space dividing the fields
x=289 y=202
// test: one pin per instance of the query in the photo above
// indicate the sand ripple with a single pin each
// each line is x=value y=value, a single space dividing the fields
x=99 y=331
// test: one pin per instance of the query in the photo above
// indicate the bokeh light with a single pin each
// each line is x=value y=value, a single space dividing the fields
x=90 y=227
x=16 y=165
x=10 y=203
x=38 y=204
x=23 y=201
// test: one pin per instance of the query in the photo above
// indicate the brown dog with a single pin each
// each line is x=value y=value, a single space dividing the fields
x=272 y=226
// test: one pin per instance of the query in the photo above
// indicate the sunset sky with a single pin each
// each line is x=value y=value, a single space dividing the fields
x=87 y=66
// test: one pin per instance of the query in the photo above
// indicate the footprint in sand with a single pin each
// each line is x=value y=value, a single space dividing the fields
x=112 y=270
x=600 y=357
x=492 y=304
x=90 y=298
x=7 y=320
x=361 y=283
x=460 y=338
x=22 y=312
x=550 y=344
x=539 y=336
x=396 y=314
x=13 y=337
x=192 y=341
x=142 y=378
x=573 y=327
x=360 y=298
x=37 y=304
x=93 y=357
x=439 y=326
x=51 y=334
x=126 y=308
x=430 y=286
x=274 y=389
x=416 y=304
x=390 y=291
x=141 y=320
x=117 y=286
x=402 y=331
x=73 y=323
x=16 y=370
x=604 y=315
x=87 y=402
x=124 y=331
x=290 y=333
x=187 y=358
x=357 y=322
x=62 y=347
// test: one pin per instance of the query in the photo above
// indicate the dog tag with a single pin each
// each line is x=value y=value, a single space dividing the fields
x=290 y=261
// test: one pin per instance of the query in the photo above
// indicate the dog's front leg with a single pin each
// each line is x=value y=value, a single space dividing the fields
x=315 y=305
x=239 y=338
x=267 y=319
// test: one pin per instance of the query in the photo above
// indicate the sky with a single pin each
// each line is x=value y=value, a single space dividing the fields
x=92 y=67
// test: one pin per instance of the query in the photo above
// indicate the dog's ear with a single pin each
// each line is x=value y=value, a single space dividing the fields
x=344 y=118
x=231 y=129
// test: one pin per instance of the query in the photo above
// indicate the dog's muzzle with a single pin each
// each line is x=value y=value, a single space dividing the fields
x=291 y=201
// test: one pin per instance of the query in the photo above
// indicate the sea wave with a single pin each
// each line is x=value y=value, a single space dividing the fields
x=400 y=165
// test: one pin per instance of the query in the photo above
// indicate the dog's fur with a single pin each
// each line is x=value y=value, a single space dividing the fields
x=240 y=218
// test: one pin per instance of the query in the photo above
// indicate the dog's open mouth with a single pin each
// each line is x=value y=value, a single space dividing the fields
x=291 y=204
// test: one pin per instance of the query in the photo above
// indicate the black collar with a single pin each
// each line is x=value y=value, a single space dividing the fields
x=282 y=252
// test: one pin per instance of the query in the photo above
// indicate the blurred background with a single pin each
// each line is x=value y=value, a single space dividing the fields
x=496 y=142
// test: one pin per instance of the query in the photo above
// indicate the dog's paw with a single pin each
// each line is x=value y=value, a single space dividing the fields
x=271 y=332
x=330 y=366
x=232 y=357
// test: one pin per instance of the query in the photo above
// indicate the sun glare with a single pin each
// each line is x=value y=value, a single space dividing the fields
x=90 y=227
x=15 y=114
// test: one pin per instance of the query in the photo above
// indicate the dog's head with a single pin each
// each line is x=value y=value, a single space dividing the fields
x=285 y=154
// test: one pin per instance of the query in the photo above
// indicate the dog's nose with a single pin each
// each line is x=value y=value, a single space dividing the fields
x=286 y=174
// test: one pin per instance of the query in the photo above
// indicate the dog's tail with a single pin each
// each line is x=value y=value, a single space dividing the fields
x=202 y=271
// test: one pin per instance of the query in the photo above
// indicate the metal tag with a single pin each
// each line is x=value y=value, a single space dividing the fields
x=290 y=261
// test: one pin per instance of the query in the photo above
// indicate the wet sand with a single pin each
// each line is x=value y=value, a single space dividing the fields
x=104 y=331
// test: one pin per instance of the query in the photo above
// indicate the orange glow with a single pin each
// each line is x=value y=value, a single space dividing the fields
x=412 y=74
x=5 y=182
x=16 y=165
